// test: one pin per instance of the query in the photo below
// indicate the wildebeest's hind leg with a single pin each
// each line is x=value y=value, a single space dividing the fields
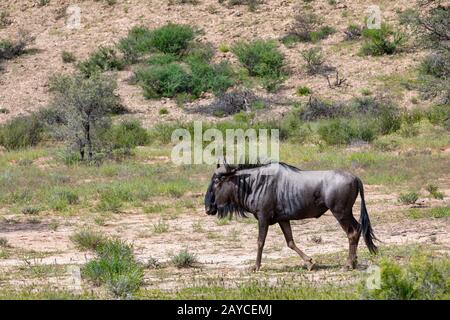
x=287 y=231
x=353 y=230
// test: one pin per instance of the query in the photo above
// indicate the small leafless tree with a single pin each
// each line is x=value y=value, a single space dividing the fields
x=338 y=80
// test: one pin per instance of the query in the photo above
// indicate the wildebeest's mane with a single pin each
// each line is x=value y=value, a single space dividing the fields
x=245 y=166
x=237 y=206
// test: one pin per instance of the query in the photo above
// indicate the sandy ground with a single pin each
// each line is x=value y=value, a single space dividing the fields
x=223 y=251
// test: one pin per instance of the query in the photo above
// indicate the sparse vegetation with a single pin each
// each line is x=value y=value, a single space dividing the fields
x=87 y=239
x=378 y=42
x=21 y=132
x=68 y=57
x=184 y=259
x=115 y=267
x=10 y=49
x=307 y=27
x=408 y=198
x=424 y=278
x=437 y=212
x=434 y=191
x=102 y=60
x=303 y=91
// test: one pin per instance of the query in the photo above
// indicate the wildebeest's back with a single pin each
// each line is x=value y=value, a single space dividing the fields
x=307 y=194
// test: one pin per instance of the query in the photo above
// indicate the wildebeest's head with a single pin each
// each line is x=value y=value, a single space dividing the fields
x=220 y=189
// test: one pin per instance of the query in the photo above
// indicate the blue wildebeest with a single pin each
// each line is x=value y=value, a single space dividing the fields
x=278 y=193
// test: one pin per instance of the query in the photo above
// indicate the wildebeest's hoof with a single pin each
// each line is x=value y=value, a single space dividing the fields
x=310 y=265
x=254 y=268
x=351 y=265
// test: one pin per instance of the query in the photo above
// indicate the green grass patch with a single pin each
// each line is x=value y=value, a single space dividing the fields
x=115 y=267
x=437 y=212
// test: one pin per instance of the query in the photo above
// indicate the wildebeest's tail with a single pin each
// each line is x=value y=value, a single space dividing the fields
x=364 y=220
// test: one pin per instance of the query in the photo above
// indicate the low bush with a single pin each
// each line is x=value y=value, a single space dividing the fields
x=87 y=239
x=314 y=61
x=102 y=60
x=21 y=132
x=440 y=115
x=423 y=278
x=262 y=59
x=167 y=77
x=116 y=267
x=230 y=103
x=353 y=32
x=184 y=259
x=381 y=41
x=307 y=27
x=68 y=57
x=434 y=191
x=408 y=198
x=172 y=38
x=128 y=135
x=344 y=131
x=252 y=4
x=137 y=43
x=10 y=49
x=163 y=80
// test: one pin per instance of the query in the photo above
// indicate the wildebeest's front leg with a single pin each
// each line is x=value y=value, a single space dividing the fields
x=287 y=231
x=263 y=227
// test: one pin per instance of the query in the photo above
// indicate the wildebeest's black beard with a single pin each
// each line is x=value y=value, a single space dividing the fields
x=229 y=209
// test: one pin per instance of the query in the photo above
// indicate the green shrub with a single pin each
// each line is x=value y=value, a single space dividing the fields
x=434 y=191
x=167 y=78
x=408 y=198
x=344 y=131
x=4 y=19
x=262 y=59
x=440 y=115
x=116 y=267
x=102 y=60
x=160 y=227
x=353 y=32
x=128 y=134
x=68 y=57
x=164 y=80
x=162 y=59
x=424 y=278
x=216 y=78
x=252 y=4
x=137 y=43
x=30 y=210
x=10 y=49
x=4 y=242
x=184 y=259
x=314 y=60
x=87 y=239
x=322 y=33
x=21 y=132
x=303 y=91
x=61 y=199
x=436 y=64
x=436 y=212
x=172 y=38
x=381 y=41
